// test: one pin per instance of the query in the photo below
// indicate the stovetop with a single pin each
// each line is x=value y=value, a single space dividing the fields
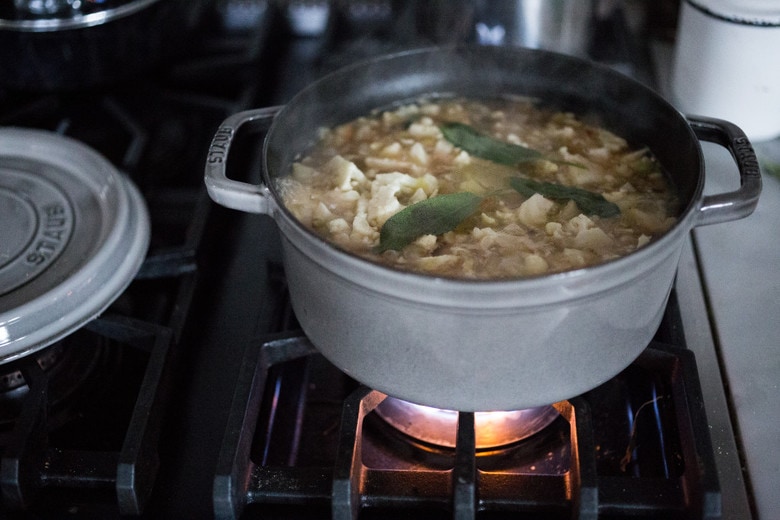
x=194 y=395
x=636 y=445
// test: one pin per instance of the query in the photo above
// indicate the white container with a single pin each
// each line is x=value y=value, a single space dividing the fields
x=727 y=63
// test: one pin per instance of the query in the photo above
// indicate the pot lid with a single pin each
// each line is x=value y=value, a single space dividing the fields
x=748 y=12
x=61 y=15
x=74 y=234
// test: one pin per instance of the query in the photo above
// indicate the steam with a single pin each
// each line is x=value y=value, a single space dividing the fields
x=592 y=91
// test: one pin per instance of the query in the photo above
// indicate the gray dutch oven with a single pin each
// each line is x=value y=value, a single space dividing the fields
x=482 y=345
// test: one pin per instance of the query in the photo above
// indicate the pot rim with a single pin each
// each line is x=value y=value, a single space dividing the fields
x=493 y=295
x=541 y=285
x=77 y=21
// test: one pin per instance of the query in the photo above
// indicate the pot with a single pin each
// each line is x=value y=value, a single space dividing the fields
x=482 y=345
x=63 y=44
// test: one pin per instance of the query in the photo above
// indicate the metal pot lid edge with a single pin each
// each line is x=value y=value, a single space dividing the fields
x=757 y=13
x=76 y=20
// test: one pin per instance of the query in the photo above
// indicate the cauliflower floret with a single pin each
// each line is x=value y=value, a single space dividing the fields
x=418 y=154
x=486 y=236
x=388 y=164
x=566 y=155
x=487 y=219
x=594 y=239
x=462 y=159
x=437 y=263
x=428 y=183
x=418 y=196
x=321 y=213
x=396 y=180
x=362 y=232
x=584 y=176
x=514 y=139
x=349 y=196
x=599 y=154
x=650 y=222
x=566 y=132
x=365 y=131
x=544 y=166
x=611 y=141
x=385 y=189
x=443 y=147
x=489 y=238
x=392 y=150
x=427 y=243
x=534 y=211
x=405 y=183
x=575 y=257
x=586 y=234
x=407 y=111
x=569 y=211
x=345 y=173
x=424 y=128
x=338 y=225
x=383 y=204
x=578 y=223
x=554 y=229
x=303 y=173
x=535 y=264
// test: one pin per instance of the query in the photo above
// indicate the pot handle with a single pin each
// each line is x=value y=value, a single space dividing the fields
x=243 y=196
x=736 y=204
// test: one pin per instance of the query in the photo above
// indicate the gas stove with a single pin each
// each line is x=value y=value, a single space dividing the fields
x=195 y=395
x=303 y=439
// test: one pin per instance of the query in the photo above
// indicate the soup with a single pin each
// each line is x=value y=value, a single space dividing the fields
x=480 y=189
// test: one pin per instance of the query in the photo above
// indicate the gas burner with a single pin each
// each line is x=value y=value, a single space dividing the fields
x=439 y=427
x=11 y=377
x=297 y=430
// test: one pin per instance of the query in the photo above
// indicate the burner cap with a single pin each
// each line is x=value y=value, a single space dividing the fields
x=74 y=233
x=439 y=427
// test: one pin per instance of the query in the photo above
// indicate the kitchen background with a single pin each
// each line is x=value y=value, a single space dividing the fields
x=141 y=430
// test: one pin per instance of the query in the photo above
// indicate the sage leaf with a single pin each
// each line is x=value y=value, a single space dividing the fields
x=485 y=147
x=433 y=216
x=589 y=202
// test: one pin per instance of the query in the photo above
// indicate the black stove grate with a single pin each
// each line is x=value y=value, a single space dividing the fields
x=107 y=442
x=86 y=436
x=301 y=442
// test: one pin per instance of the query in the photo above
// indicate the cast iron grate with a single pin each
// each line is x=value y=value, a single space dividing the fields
x=96 y=450
x=106 y=443
x=297 y=442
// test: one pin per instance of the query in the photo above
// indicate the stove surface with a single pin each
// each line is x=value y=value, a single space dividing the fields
x=175 y=357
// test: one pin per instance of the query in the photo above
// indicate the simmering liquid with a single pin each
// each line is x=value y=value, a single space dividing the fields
x=569 y=194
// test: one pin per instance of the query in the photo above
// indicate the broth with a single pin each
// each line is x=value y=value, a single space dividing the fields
x=571 y=194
